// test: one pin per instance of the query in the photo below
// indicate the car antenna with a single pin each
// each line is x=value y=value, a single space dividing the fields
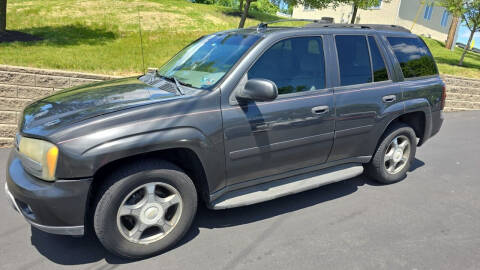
x=141 y=39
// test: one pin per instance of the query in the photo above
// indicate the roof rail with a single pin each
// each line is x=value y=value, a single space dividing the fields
x=387 y=27
x=264 y=25
x=325 y=23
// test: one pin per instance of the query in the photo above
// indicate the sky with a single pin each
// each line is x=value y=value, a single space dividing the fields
x=464 y=34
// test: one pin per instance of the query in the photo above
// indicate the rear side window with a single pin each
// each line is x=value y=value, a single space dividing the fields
x=294 y=65
x=378 y=65
x=413 y=56
x=353 y=59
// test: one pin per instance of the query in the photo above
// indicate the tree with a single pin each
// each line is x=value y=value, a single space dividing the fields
x=362 y=4
x=451 y=33
x=3 y=15
x=456 y=8
x=318 y=4
x=245 y=13
x=240 y=6
x=471 y=16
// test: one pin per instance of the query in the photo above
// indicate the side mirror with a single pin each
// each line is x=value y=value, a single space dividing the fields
x=258 y=90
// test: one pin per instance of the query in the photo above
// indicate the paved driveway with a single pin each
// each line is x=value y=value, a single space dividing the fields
x=429 y=221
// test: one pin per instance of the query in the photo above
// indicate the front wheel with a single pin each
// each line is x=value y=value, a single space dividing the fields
x=394 y=155
x=144 y=209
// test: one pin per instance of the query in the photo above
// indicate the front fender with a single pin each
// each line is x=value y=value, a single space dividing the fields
x=87 y=162
x=183 y=137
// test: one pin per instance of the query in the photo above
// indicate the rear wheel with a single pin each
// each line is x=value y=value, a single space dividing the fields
x=144 y=209
x=394 y=155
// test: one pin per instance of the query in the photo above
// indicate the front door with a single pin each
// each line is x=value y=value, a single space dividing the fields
x=292 y=132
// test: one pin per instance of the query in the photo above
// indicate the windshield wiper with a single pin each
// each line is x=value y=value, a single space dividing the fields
x=177 y=84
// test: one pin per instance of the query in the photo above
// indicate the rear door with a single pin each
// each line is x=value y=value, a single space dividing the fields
x=364 y=95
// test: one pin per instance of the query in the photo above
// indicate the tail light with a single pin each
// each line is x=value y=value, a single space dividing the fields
x=444 y=97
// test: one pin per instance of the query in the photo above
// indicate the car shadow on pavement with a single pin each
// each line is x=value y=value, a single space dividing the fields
x=66 y=250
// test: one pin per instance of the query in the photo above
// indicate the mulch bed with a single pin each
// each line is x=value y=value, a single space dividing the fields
x=12 y=36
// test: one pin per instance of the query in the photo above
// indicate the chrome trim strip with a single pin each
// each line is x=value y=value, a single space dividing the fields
x=11 y=199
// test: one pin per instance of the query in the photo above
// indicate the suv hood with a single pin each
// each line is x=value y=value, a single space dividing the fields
x=80 y=103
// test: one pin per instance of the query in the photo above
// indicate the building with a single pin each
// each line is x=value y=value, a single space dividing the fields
x=431 y=20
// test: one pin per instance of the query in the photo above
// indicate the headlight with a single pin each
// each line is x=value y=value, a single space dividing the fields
x=39 y=157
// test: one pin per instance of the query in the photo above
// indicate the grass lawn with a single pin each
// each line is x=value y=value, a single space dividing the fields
x=103 y=37
x=447 y=60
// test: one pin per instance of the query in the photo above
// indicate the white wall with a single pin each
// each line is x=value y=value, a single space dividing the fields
x=399 y=12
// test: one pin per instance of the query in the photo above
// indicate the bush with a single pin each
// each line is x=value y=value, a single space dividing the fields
x=227 y=3
x=264 y=6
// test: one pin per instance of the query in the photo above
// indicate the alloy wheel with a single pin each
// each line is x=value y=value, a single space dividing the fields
x=397 y=154
x=149 y=212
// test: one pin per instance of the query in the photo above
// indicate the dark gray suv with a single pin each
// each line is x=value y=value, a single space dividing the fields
x=236 y=118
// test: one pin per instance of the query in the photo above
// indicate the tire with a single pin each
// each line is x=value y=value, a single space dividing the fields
x=381 y=168
x=132 y=186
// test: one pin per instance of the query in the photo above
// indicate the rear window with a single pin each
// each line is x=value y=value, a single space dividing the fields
x=353 y=59
x=413 y=56
x=378 y=65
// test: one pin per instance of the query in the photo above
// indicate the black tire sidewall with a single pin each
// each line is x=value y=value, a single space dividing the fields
x=105 y=219
x=377 y=168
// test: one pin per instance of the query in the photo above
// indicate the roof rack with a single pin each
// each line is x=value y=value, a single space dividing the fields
x=264 y=25
x=328 y=24
x=387 y=27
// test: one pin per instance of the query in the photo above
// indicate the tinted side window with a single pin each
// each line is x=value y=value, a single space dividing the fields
x=379 y=69
x=413 y=56
x=295 y=65
x=353 y=59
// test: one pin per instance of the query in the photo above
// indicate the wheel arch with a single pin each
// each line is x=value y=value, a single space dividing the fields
x=417 y=120
x=185 y=158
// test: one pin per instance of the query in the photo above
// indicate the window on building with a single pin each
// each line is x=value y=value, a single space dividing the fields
x=353 y=59
x=445 y=17
x=294 y=65
x=378 y=64
x=427 y=15
x=414 y=56
x=307 y=8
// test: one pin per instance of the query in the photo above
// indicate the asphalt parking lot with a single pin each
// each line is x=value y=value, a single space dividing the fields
x=431 y=220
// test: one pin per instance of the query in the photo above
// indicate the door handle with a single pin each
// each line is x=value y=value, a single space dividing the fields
x=389 y=98
x=261 y=127
x=320 y=109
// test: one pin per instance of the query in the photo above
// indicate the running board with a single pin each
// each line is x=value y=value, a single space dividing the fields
x=286 y=186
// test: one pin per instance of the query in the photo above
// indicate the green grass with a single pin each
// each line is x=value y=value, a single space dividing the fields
x=447 y=60
x=102 y=36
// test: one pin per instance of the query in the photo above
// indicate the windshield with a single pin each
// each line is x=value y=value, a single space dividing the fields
x=203 y=63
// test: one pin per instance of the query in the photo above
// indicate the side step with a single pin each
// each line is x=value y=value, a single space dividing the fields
x=286 y=186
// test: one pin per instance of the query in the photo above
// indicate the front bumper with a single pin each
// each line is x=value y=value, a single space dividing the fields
x=54 y=207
